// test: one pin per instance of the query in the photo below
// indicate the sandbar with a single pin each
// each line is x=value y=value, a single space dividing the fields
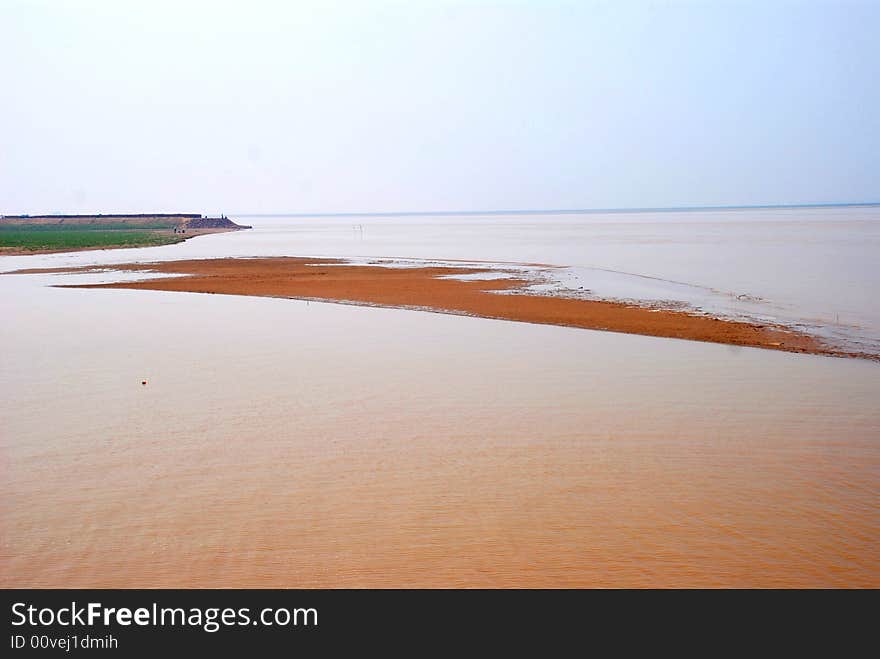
x=434 y=288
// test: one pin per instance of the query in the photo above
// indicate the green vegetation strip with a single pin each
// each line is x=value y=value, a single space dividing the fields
x=61 y=238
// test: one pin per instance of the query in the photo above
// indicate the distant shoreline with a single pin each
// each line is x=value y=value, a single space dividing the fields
x=572 y=211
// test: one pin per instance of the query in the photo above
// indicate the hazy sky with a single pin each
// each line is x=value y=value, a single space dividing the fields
x=433 y=105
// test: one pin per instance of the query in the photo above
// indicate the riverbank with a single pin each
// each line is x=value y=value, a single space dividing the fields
x=22 y=235
x=487 y=292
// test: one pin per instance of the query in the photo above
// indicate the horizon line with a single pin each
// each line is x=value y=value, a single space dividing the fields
x=515 y=211
x=566 y=211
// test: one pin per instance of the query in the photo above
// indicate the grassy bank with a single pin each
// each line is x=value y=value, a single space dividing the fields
x=62 y=237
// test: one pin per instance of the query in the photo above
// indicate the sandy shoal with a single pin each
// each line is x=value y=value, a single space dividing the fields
x=429 y=288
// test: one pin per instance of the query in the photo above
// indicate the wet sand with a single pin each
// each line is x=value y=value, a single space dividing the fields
x=431 y=289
